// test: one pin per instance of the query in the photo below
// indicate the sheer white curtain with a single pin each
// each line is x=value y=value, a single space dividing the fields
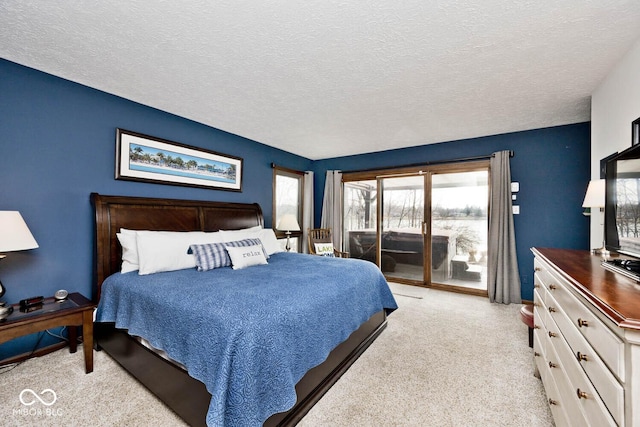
x=502 y=263
x=307 y=208
x=332 y=206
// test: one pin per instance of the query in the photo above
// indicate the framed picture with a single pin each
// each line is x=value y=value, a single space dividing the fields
x=635 y=132
x=148 y=159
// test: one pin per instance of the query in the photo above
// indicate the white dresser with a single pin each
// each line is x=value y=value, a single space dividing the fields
x=586 y=339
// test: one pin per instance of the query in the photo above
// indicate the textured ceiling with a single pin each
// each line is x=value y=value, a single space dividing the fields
x=326 y=78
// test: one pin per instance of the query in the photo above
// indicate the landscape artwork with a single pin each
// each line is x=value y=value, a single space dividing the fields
x=145 y=158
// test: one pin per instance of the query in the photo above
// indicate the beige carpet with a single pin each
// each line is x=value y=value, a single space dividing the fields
x=444 y=360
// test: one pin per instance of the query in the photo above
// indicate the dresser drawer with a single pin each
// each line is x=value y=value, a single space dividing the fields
x=567 y=393
x=586 y=362
x=579 y=389
x=555 y=403
x=608 y=345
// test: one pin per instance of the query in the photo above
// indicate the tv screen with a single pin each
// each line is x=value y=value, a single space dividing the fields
x=622 y=202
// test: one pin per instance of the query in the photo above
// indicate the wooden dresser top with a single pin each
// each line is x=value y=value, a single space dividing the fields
x=617 y=296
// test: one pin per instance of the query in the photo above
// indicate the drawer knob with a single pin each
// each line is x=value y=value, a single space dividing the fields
x=552 y=309
x=552 y=287
x=582 y=323
x=552 y=334
x=536 y=354
x=581 y=357
x=536 y=286
x=581 y=394
x=552 y=402
x=536 y=326
x=537 y=269
x=552 y=365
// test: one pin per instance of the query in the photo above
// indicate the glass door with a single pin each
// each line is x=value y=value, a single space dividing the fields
x=402 y=228
x=459 y=228
x=361 y=219
x=426 y=226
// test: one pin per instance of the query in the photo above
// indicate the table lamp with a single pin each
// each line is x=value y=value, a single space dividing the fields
x=595 y=199
x=14 y=236
x=288 y=223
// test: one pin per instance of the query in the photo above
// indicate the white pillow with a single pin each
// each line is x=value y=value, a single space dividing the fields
x=324 y=249
x=167 y=250
x=269 y=241
x=241 y=232
x=246 y=256
x=129 y=244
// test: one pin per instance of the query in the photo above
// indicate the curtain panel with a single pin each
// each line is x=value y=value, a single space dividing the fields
x=503 y=276
x=332 y=206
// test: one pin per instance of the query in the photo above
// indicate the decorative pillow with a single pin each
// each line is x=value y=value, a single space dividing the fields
x=246 y=256
x=167 y=250
x=129 y=243
x=248 y=242
x=214 y=255
x=324 y=249
x=210 y=255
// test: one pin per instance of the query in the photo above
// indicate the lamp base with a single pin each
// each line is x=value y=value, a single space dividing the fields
x=601 y=251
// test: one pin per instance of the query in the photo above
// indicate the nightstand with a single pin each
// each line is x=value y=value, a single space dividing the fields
x=75 y=311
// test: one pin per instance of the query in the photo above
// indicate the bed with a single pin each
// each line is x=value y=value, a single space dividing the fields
x=189 y=397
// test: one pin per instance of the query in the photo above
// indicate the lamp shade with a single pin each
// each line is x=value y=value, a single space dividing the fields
x=14 y=233
x=595 y=194
x=289 y=223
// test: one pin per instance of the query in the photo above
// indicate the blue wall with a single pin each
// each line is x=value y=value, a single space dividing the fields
x=57 y=145
x=552 y=166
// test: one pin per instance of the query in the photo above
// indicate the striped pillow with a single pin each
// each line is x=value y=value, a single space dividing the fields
x=214 y=255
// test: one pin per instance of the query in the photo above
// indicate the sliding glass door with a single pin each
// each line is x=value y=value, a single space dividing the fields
x=424 y=226
x=459 y=228
x=402 y=234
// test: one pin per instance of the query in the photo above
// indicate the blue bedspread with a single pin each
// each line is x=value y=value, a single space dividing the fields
x=249 y=335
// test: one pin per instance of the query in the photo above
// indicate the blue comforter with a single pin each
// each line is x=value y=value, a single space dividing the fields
x=249 y=335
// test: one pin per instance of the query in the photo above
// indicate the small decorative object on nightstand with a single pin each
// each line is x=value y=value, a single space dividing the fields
x=74 y=311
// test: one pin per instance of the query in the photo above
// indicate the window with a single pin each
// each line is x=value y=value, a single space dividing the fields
x=287 y=200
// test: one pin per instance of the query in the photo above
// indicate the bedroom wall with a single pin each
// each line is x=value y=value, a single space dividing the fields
x=614 y=105
x=551 y=165
x=57 y=145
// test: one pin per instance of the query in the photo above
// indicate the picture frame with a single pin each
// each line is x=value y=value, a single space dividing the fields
x=635 y=132
x=146 y=158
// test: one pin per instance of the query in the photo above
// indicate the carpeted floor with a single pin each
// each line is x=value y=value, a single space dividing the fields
x=444 y=360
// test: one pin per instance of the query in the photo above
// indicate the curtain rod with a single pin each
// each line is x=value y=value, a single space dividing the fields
x=439 y=162
x=294 y=171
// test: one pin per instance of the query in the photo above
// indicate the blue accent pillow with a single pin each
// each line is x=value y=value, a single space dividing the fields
x=214 y=255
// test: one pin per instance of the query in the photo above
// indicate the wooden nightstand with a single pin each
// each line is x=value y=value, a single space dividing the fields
x=74 y=312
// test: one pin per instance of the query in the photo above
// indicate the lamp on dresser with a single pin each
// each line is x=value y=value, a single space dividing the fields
x=14 y=236
x=594 y=198
x=288 y=223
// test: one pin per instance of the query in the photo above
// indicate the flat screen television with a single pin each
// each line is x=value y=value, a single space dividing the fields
x=622 y=202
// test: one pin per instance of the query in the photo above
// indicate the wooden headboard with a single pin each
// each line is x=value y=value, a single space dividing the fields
x=140 y=213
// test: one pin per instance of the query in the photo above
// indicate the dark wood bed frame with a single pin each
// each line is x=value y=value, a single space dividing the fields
x=185 y=395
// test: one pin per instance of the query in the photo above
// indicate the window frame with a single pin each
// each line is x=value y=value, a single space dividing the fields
x=289 y=173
